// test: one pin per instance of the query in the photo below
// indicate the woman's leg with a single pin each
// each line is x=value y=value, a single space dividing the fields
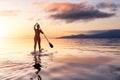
x=35 y=42
x=39 y=44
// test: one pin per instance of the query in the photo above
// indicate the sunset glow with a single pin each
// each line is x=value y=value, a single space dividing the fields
x=3 y=30
x=59 y=39
x=60 y=18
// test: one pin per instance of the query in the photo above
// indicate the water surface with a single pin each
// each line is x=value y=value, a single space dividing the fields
x=70 y=59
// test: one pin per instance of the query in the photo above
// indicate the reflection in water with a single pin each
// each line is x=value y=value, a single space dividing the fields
x=78 y=59
x=37 y=65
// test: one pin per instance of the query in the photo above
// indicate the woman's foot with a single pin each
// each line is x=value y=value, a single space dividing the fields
x=34 y=50
x=40 y=51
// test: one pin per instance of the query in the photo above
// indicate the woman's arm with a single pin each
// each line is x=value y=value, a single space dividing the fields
x=41 y=31
x=35 y=26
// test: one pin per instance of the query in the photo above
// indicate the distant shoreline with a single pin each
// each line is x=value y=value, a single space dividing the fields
x=104 y=35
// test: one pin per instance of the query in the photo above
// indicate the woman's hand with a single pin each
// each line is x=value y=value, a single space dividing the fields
x=35 y=25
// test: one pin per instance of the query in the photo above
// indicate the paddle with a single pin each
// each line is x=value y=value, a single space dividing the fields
x=50 y=44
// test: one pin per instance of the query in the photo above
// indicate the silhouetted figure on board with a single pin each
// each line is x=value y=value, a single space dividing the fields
x=37 y=38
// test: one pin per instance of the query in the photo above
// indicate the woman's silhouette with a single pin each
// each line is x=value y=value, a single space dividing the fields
x=37 y=38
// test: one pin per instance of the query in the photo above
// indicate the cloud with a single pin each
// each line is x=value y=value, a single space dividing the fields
x=71 y=12
x=112 y=6
x=9 y=12
x=38 y=4
x=64 y=7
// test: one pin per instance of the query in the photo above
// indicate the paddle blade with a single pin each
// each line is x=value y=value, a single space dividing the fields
x=51 y=45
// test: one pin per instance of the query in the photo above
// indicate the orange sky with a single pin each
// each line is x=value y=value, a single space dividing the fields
x=17 y=17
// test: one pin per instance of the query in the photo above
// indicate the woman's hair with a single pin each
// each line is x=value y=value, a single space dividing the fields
x=38 y=26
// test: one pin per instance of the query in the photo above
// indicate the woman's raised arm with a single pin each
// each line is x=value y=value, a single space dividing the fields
x=35 y=26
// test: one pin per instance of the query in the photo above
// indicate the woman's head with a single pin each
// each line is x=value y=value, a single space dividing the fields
x=38 y=26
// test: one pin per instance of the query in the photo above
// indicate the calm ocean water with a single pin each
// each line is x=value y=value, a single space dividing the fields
x=70 y=59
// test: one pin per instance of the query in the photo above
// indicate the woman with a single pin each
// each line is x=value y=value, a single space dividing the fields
x=37 y=38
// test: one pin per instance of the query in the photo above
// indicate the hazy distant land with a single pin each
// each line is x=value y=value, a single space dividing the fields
x=106 y=34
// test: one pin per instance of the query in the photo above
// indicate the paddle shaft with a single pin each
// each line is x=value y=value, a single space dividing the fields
x=46 y=38
x=50 y=44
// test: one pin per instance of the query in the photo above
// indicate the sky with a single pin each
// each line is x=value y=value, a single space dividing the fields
x=57 y=17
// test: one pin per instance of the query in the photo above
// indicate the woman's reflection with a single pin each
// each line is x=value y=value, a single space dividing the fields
x=37 y=66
